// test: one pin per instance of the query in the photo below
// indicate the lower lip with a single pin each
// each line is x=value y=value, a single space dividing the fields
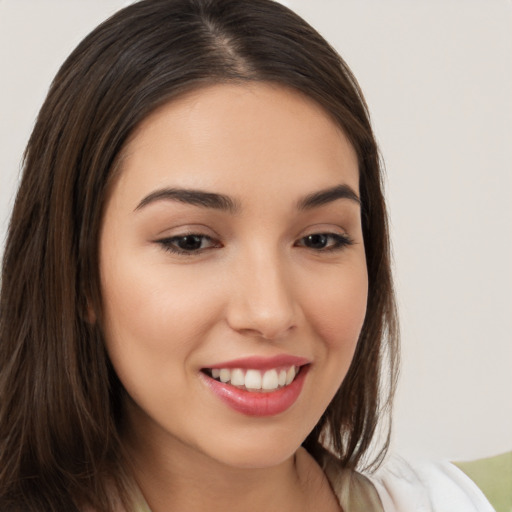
x=251 y=403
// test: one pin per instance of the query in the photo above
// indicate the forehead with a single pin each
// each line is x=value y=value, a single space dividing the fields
x=240 y=137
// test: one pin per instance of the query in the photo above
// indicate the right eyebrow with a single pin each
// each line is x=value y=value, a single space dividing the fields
x=328 y=195
x=191 y=196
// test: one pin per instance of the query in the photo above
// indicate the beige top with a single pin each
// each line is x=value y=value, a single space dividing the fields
x=355 y=492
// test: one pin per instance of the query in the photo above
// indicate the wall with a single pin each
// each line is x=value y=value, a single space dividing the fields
x=438 y=80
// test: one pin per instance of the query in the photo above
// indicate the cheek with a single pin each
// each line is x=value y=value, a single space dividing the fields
x=335 y=316
x=337 y=313
x=153 y=324
x=147 y=303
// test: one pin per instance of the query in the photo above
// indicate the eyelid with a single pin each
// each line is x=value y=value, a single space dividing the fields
x=325 y=228
x=185 y=229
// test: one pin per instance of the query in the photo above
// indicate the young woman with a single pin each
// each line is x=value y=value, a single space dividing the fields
x=197 y=309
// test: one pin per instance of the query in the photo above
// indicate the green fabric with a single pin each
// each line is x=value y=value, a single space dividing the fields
x=494 y=477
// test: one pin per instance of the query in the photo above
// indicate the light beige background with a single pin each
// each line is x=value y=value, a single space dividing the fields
x=437 y=75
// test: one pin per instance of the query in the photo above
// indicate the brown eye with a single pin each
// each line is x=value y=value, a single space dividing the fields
x=188 y=244
x=325 y=241
x=316 y=241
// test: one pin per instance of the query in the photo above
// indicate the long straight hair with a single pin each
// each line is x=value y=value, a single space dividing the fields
x=61 y=403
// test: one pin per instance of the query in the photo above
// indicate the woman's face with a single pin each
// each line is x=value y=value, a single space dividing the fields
x=233 y=272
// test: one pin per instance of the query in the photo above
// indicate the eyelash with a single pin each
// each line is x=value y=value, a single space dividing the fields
x=170 y=244
x=338 y=242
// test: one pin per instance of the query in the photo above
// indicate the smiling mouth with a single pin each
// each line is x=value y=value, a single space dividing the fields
x=263 y=381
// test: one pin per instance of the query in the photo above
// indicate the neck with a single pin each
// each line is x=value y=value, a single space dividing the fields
x=175 y=476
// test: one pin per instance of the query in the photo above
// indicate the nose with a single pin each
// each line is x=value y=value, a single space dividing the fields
x=263 y=303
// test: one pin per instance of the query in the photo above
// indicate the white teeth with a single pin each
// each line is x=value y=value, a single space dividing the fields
x=290 y=375
x=270 y=380
x=253 y=379
x=237 y=377
x=256 y=380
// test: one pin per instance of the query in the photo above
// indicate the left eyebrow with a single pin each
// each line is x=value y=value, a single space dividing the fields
x=326 y=196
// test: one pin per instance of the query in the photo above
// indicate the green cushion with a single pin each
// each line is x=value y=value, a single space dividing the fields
x=494 y=477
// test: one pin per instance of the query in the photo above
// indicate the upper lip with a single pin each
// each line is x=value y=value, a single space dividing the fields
x=263 y=363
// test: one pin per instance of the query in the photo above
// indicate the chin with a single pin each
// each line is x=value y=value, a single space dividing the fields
x=257 y=458
x=258 y=449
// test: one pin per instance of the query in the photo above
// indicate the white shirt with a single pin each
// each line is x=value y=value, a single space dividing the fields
x=425 y=486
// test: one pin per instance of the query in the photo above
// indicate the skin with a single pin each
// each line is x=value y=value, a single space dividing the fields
x=256 y=286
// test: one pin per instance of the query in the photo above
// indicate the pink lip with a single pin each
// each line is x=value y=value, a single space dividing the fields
x=263 y=363
x=252 y=403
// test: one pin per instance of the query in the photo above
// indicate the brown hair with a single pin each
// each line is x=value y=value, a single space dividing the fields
x=60 y=400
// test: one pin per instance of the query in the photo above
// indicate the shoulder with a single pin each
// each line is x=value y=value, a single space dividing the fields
x=426 y=486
